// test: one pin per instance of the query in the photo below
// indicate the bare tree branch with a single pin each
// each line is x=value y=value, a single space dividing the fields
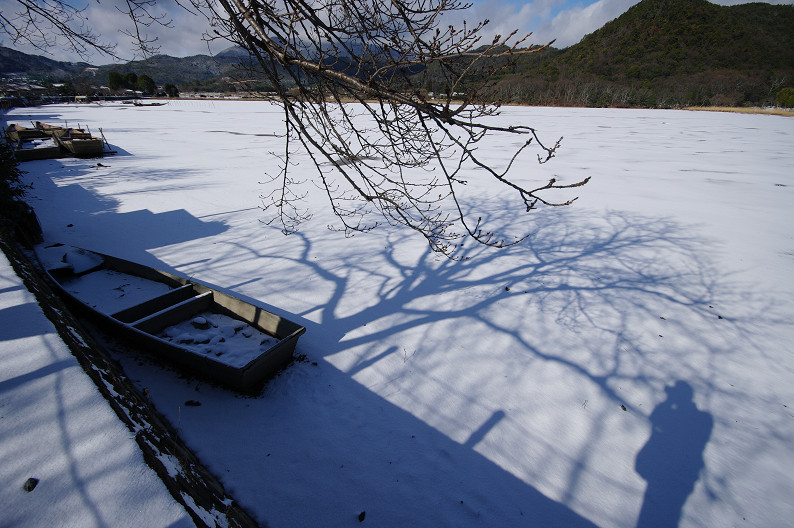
x=142 y=15
x=46 y=24
x=352 y=77
x=389 y=104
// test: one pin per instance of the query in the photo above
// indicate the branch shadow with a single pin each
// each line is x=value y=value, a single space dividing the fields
x=605 y=274
x=406 y=314
x=55 y=430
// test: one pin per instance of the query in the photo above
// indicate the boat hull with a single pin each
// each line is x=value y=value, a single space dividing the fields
x=59 y=131
x=81 y=148
x=143 y=323
x=16 y=133
x=41 y=153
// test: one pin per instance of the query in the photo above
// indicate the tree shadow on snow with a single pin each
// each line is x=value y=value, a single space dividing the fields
x=605 y=274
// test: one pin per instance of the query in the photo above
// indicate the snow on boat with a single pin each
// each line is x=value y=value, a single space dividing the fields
x=52 y=141
x=37 y=149
x=212 y=334
x=31 y=143
x=75 y=141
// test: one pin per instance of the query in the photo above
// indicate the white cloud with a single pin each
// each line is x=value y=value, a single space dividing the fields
x=184 y=37
x=569 y=26
x=504 y=17
x=567 y=21
x=564 y=21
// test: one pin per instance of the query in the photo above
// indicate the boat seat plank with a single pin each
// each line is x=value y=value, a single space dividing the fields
x=154 y=305
x=173 y=314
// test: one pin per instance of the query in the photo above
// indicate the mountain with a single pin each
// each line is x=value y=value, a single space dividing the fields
x=233 y=52
x=13 y=61
x=658 y=53
x=161 y=68
x=177 y=70
x=666 y=52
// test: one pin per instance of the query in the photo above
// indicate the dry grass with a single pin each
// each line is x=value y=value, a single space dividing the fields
x=743 y=110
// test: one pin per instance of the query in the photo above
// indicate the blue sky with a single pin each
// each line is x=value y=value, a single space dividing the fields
x=567 y=21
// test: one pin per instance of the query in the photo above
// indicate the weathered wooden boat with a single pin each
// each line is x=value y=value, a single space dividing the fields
x=81 y=147
x=37 y=149
x=189 y=324
x=61 y=131
x=50 y=130
x=15 y=133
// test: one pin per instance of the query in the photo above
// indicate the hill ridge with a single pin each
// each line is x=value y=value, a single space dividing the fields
x=667 y=52
x=657 y=53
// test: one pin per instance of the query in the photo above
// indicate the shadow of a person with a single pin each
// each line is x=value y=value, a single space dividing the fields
x=672 y=458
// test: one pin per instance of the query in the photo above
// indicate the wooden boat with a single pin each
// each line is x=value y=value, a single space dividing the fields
x=37 y=149
x=15 y=133
x=194 y=326
x=59 y=131
x=81 y=147
x=50 y=130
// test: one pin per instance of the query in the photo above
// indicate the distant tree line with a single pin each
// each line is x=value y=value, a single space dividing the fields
x=141 y=83
x=131 y=81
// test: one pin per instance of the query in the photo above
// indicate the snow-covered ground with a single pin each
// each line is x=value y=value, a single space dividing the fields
x=65 y=457
x=629 y=364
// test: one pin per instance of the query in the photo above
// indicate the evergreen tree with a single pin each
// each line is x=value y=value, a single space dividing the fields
x=785 y=98
x=130 y=80
x=116 y=81
x=171 y=90
x=146 y=85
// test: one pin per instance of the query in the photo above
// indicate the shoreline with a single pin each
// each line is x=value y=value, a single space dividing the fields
x=785 y=112
x=742 y=110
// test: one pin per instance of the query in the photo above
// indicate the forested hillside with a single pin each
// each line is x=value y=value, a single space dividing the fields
x=666 y=52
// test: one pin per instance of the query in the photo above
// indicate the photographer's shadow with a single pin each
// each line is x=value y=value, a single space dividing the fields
x=672 y=458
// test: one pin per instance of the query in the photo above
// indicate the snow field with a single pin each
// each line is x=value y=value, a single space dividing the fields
x=489 y=391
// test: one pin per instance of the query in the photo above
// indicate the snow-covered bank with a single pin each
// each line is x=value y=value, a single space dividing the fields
x=649 y=326
x=56 y=428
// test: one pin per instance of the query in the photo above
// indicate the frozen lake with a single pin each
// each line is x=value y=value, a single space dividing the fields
x=638 y=342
